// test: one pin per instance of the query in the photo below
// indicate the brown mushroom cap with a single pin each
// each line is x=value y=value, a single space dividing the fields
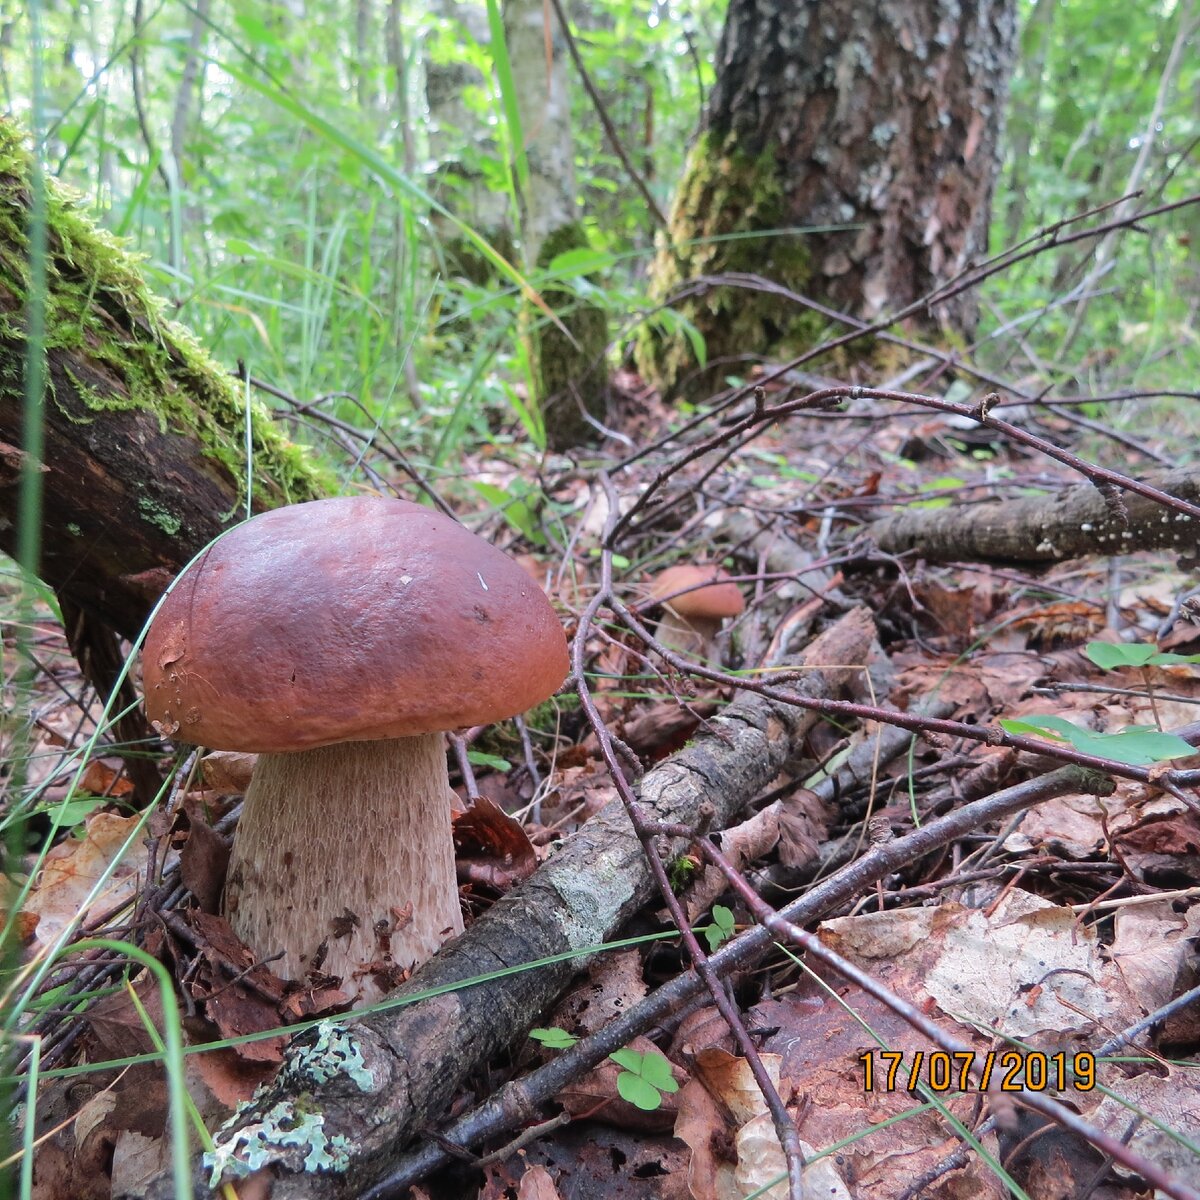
x=350 y=619
x=722 y=599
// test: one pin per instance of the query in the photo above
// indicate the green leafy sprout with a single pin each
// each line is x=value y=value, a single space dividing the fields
x=1109 y=656
x=644 y=1075
x=721 y=929
x=1137 y=746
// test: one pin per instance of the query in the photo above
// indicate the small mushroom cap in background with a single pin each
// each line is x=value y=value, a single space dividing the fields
x=349 y=619
x=721 y=599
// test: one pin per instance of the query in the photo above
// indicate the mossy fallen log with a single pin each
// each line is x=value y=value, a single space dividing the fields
x=144 y=456
x=1073 y=522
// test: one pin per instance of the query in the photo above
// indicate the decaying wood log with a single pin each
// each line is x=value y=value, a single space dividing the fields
x=369 y=1085
x=144 y=459
x=1071 y=523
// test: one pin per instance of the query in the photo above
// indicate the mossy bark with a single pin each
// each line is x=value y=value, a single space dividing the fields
x=879 y=139
x=571 y=372
x=726 y=202
x=144 y=458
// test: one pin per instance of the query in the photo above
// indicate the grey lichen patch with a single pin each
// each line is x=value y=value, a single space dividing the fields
x=592 y=903
x=323 y=1052
x=281 y=1135
x=280 y=1124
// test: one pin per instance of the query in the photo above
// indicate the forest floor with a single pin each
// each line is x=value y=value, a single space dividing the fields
x=1044 y=947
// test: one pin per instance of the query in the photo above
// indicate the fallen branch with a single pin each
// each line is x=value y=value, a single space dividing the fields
x=1074 y=522
x=370 y=1085
x=521 y=1100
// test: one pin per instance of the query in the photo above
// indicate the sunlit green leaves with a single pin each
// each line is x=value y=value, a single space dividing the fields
x=1136 y=746
x=1110 y=656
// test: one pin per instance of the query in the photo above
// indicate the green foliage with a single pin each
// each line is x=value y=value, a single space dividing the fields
x=1090 y=81
x=554 y=1038
x=721 y=929
x=642 y=1079
x=477 y=758
x=1137 y=746
x=1110 y=656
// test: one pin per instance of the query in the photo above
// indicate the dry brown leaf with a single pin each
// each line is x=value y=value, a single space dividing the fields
x=1152 y=946
x=741 y=845
x=492 y=847
x=229 y=1077
x=203 y=863
x=803 y=826
x=614 y=984
x=231 y=1004
x=822 y=1044
x=105 y=778
x=138 y=1159
x=537 y=1184
x=1171 y=1103
x=74 y=866
x=1025 y=967
x=723 y=1117
x=228 y=770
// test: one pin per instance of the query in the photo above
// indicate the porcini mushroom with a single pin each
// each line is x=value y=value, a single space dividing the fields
x=339 y=639
x=692 y=613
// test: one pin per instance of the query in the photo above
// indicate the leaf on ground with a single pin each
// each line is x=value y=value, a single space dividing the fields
x=741 y=845
x=228 y=771
x=537 y=1184
x=821 y=1044
x=1152 y=948
x=103 y=777
x=229 y=1077
x=614 y=984
x=1172 y=1102
x=1026 y=966
x=73 y=867
x=137 y=1160
x=203 y=862
x=723 y=1118
x=234 y=991
x=492 y=846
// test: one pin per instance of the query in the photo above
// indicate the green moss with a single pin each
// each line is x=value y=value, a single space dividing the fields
x=156 y=514
x=726 y=193
x=571 y=371
x=546 y=719
x=100 y=312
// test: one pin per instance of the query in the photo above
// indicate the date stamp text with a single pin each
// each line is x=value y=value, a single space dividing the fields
x=1007 y=1070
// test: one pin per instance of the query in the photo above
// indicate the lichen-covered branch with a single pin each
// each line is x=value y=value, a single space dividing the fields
x=144 y=458
x=409 y=1062
x=1071 y=523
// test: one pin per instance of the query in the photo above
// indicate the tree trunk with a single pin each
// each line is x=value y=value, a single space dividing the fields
x=877 y=128
x=1074 y=522
x=144 y=459
x=460 y=142
x=570 y=371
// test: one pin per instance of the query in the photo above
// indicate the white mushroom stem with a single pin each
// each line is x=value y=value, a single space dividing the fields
x=690 y=636
x=332 y=847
